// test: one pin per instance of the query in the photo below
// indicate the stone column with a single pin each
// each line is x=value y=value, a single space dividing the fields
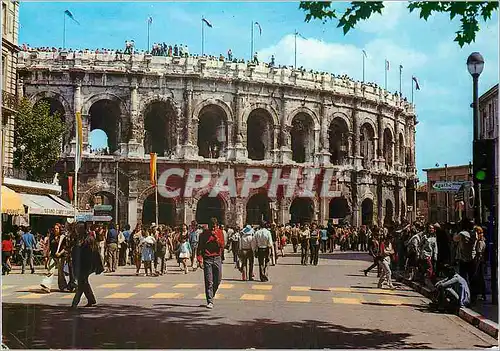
x=189 y=147
x=136 y=143
x=286 y=151
x=133 y=206
x=275 y=151
x=237 y=151
x=324 y=155
x=356 y=147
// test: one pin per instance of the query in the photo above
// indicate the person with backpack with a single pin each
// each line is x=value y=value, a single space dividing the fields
x=161 y=253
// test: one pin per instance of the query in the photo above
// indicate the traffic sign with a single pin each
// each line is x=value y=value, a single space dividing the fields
x=448 y=186
x=103 y=208
x=102 y=218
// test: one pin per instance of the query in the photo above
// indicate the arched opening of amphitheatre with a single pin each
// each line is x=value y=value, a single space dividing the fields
x=105 y=116
x=258 y=209
x=166 y=210
x=367 y=144
x=403 y=211
x=389 y=213
x=209 y=207
x=367 y=212
x=302 y=210
x=302 y=138
x=339 y=208
x=338 y=139
x=259 y=135
x=212 y=132
x=159 y=127
x=388 y=147
x=402 y=150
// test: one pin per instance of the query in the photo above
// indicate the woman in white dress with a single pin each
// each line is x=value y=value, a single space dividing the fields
x=184 y=252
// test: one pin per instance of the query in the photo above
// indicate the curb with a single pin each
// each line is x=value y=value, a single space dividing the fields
x=468 y=315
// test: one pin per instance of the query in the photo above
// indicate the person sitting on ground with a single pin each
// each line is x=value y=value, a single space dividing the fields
x=452 y=293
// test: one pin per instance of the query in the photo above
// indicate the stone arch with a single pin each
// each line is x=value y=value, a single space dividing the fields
x=148 y=99
x=224 y=106
x=338 y=140
x=402 y=149
x=302 y=210
x=220 y=208
x=148 y=192
x=338 y=207
x=263 y=106
x=388 y=211
x=370 y=123
x=302 y=137
x=258 y=207
x=104 y=96
x=388 y=147
x=342 y=116
x=102 y=187
x=305 y=110
x=259 y=134
x=367 y=150
x=160 y=119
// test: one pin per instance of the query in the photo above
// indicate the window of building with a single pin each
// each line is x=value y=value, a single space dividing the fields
x=442 y=178
x=4 y=72
x=4 y=17
x=433 y=199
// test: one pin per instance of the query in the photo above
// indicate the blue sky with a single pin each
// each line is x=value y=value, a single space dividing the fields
x=425 y=49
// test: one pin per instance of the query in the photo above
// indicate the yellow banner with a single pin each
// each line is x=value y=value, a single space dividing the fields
x=152 y=168
x=79 y=143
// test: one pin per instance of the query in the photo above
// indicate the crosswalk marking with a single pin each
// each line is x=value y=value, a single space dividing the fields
x=216 y=297
x=6 y=294
x=300 y=288
x=69 y=296
x=226 y=286
x=341 y=289
x=167 y=296
x=253 y=297
x=5 y=287
x=147 y=285
x=262 y=287
x=31 y=287
x=346 y=300
x=110 y=286
x=120 y=295
x=390 y=302
x=31 y=296
x=185 y=286
x=298 y=298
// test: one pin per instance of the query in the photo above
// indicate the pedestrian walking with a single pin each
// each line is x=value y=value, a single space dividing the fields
x=374 y=250
x=304 y=244
x=185 y=253
x=324 y=239
x=314 y=244
x=295 y=237
x=112 y=249
x=7 y=251
x=29 y=245
x=194 y=236
x=88 y=262
x=478 y=283
x=234 y=238
x=247 y=250
x=386 y=250
x=264 y=244
x=56 y=261
x=210 y=248
x=161 y=253
x=147 y=252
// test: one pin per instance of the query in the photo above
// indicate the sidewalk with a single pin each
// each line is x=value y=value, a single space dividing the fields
x=483 y=314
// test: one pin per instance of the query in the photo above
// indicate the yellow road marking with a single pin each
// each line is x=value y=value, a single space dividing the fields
x=346 y=300
x=108 y=286
x=31 y=287
x=253 y=297
x=5 y=287
x=120 y=295
x=31 y=296
x=298 y=298
x=262 y=287
x=6 y=294
x=216 y=297
x=167 y=296
x=390 y=302
x=341 y=289
x=69 y=296
x=300 y=288
x=185 y=286
x=147 y=285
x=380 y=291
x=226 y=286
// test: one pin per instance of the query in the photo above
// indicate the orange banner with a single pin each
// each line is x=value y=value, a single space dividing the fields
x=152 y=168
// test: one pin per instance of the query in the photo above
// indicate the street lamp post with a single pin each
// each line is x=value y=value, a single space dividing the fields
x=475 y=65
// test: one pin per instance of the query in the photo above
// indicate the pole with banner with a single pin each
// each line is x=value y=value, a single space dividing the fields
x=153 y=176
x=78 y=156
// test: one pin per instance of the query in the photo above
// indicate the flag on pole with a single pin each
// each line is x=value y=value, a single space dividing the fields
x=79 y=141
x=387 y=67
x=152 y=168
x=417 y=86
x=70 y=188
x=260 y=28
x=364 y=53
x=400 y=67
x=70 y=15
x=206 y=21
x=150 y=20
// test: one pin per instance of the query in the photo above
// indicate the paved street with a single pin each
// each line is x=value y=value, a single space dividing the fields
x=332 y=305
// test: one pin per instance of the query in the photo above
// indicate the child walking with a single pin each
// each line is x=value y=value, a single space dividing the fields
x=184 y=252
x=147 y=253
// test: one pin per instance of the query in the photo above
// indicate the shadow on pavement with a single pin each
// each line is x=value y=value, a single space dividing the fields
x=163 y=327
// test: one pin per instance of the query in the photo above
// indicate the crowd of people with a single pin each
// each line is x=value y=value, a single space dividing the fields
x=450 y=258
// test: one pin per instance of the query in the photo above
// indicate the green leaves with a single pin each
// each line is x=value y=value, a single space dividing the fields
x=469 y=13
x=37 y=138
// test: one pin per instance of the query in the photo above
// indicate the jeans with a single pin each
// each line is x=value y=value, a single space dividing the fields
x=323 y=245
x=295 y=243
x=246 y=263
x=235 y=248
x=27 y=255
x=314 y=254
x=263 y=257
x=386 y=272
x=84 y=288
x=212 y=271
x=304 y=246
x=160 y=260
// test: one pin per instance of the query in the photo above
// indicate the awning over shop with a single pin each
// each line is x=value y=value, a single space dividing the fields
x=12 y=202
x=47 y=205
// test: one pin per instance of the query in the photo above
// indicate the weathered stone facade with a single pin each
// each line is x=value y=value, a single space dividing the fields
x=208 y=114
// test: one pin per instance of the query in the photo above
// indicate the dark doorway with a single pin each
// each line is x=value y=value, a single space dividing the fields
x=338 y=139
x=259 y=135
x=159 y=125
x=209 y=207
x=166 y=211
x=339 y=208
x=389 y=213
x=302 y=138
x=302 y=210
x=212 y=132
x=258 y=209
x=105 y=115
x=367 y=212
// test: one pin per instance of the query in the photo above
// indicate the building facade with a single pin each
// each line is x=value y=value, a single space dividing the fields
x=10 y=49
x=199 y=113
x=422 y=203
x=447 y=206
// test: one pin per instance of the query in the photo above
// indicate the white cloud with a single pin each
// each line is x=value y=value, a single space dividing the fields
x=377 y=23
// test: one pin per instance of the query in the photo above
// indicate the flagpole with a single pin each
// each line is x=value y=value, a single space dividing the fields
x=156 y=189
x=251 y=44
x=412 y=90
x=386 y=74
x=363 y=67
x=149 y=25
x=295 y=65
x=202 y=37
x=64 y=31
x=400 y=80
x=77 y=154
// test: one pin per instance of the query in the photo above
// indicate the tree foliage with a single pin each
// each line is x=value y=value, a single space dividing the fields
x=37 y=138
x=470 y=14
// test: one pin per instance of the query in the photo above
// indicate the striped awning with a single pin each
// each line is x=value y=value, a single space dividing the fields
x=12 y=202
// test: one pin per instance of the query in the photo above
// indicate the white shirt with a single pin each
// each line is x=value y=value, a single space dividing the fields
x=263 y=238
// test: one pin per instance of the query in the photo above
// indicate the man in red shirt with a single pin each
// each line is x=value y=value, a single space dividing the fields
x=210 y=246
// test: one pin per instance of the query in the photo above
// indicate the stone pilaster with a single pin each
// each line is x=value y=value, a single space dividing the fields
x=136 y=143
